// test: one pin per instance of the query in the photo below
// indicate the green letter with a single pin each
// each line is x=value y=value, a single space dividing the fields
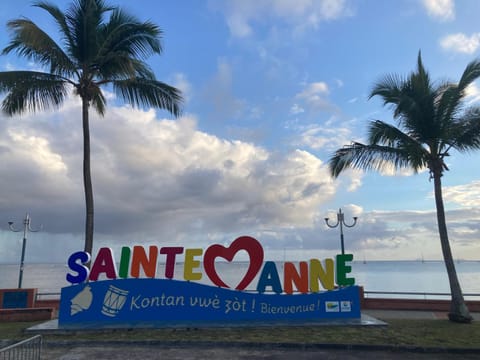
x=343 y=269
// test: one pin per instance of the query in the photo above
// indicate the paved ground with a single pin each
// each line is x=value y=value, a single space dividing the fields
x=281 y=352
x=236 y=353
x=402 y=314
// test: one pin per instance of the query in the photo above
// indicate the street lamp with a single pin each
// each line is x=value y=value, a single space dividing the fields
x=341 y=222
x=26 y=229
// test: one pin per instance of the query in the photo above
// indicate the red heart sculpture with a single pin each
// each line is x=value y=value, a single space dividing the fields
x=247 y=243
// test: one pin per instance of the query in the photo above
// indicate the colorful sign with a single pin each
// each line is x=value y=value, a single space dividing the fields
x=125 y=299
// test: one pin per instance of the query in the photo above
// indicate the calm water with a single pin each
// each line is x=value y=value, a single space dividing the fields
x=388 y=276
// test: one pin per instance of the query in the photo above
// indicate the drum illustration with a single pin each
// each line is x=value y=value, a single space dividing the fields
x=113 y=301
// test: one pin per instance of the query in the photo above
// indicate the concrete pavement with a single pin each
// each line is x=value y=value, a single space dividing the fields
x=411 y=314
x=244 y=352
x=219 y=350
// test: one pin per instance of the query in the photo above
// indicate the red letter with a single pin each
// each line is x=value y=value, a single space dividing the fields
x=247 y=243
x=103 y=264
x=171 y=252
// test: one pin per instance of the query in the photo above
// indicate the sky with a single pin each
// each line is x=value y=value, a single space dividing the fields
x=271 y=89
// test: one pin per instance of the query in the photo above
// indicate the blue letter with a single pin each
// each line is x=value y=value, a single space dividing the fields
x=269 y=277
x=81 y=270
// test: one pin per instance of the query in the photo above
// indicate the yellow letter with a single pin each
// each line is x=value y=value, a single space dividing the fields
x=325 y=276
x=191 y=264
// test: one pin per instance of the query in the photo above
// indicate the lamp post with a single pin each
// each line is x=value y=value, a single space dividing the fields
x=341 y=222
x=26 y=229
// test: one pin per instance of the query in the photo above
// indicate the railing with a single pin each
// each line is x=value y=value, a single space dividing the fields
x=390 y=294
x=417 y=295
x=47 y=295
x=29 y=349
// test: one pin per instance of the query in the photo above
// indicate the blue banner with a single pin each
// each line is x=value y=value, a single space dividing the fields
x=163 y=302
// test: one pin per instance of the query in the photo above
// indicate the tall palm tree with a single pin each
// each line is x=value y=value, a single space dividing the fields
x=100 y=45
x=432 y=121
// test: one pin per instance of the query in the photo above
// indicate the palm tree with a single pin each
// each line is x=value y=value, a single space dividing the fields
x=432 y=120
x=100 y=45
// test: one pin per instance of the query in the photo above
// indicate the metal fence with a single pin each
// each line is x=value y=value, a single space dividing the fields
x=29 y=349
x=417 y=295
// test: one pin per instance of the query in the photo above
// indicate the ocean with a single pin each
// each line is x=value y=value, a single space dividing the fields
x=424 y=278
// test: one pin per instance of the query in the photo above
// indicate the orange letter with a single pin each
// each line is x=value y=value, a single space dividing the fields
x=291 y=276
x=139 y=258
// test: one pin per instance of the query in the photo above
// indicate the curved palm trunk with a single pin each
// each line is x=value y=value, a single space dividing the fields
x=87 y=179
x=458 y=309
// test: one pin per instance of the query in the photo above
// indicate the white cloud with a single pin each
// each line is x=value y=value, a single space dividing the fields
x=10 y=67
x=154 y=179
x=296 y=109
x=314 y=89
x=467 y=195
x=300 y=14
x=326 y=138
x=181 y=82
x=461 y=43
x=39 y=151
x=472 y=94
x=219 y=93
x=355 y=180
x=315 y=95
x=443 y=10
x=390 y=170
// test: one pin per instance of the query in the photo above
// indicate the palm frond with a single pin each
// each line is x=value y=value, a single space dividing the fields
x=31 y=42
x=84 y=18
x=146 y=92
x=412 y=100
x=422 y=73
x=121 y=66
x=420 y=119
x=126 y=34
x=98 y=101
x=464 y=134
x=449 y=102
x=31 y=91
x=367 y=157
x=389 y=88
x=59 y=17
x=381 y=133
x=470 y=74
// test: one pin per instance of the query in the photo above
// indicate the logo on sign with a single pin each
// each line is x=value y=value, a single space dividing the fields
x=332 y=306
x=345 y=306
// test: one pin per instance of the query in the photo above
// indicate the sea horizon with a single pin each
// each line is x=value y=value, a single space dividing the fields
x=397 y=276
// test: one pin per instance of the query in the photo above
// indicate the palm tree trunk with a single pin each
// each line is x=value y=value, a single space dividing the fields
x=87 y=179
x=458 y=309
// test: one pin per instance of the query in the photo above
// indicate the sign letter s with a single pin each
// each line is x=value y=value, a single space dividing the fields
x=76 y=263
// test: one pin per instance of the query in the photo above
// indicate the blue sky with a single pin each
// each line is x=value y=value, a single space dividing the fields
x=271 y=89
